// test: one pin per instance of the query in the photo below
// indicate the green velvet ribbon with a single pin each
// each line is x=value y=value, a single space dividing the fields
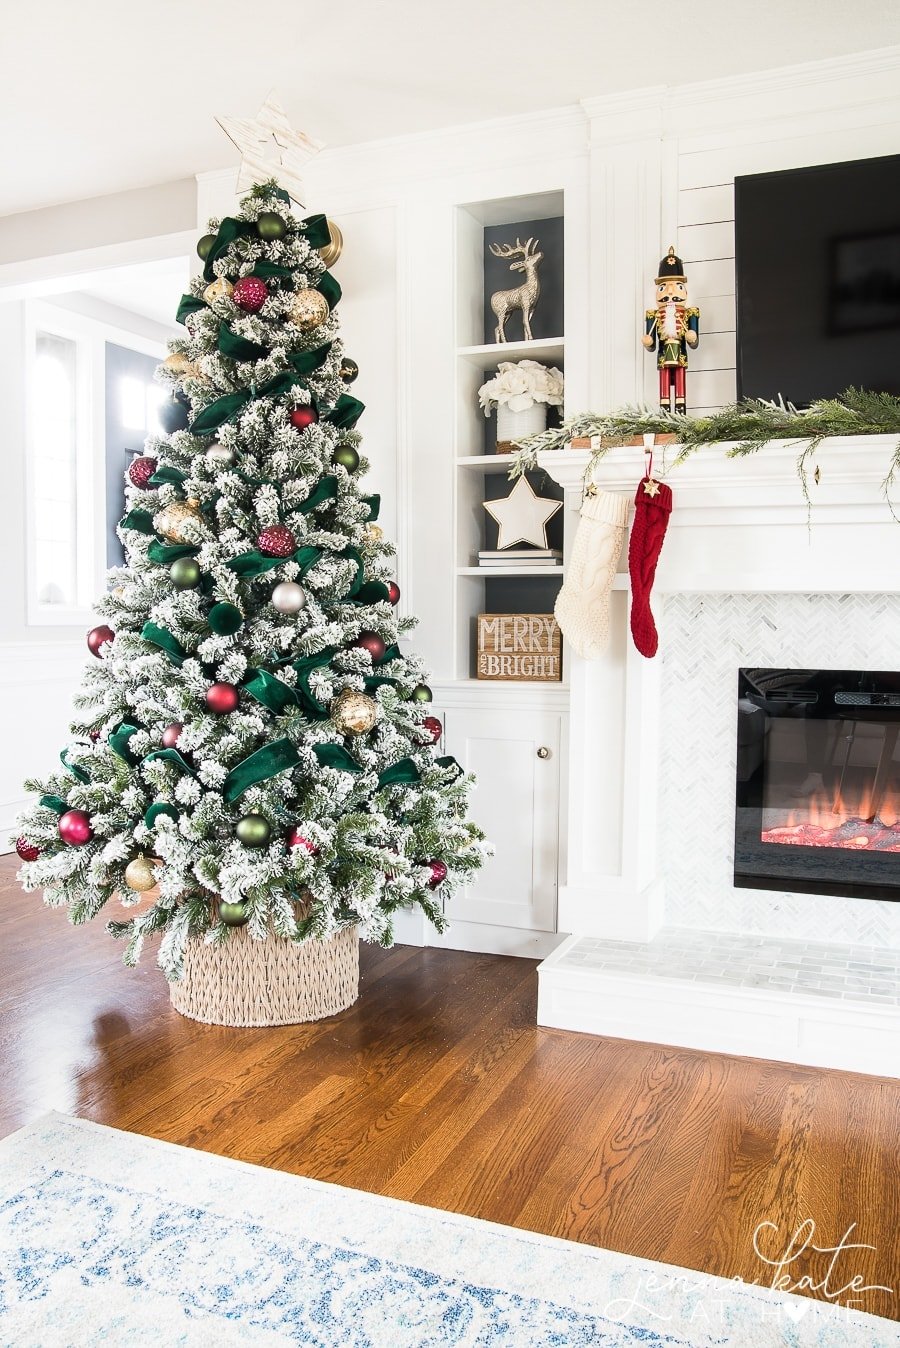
x=270 y=692
x=391 y=653
x=374 y=504
x=325 y=490
x=232 y=404
x=328 y=287
x=315 y=230
x=248 y=565
x=164 y=553
x=54 y=803
x=118 y=741
x=346 y=412
x=403 y=773
x=237 y=347
x=78 y=773
x=373 y=681
x=168 y=474
x=373 y=592
x=139 y=520
x=259 y=767
x=335 y=756
x=229 y=230
x=158 y=808
x=304 y=667
x=171 y=756
x=448 y=761
x=163 y=638
x=269 y=269
x=188 y=304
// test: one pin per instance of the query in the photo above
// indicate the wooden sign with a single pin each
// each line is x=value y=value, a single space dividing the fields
x=519 y=646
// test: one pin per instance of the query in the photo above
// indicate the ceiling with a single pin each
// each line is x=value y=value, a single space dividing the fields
x=99 y=96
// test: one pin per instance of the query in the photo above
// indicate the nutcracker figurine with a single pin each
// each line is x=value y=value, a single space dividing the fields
x=676 y=326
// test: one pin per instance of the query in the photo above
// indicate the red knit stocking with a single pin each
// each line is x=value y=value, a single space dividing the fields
x=653 y=504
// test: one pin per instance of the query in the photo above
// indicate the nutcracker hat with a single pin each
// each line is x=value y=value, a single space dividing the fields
x=671 y=266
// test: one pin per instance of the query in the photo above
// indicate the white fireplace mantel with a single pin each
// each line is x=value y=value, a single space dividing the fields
x=739 y=526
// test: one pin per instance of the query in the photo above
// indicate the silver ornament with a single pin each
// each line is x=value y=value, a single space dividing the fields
x=288 y=597
x=219 y=455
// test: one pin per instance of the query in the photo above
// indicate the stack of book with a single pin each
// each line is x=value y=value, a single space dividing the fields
x=521 y=557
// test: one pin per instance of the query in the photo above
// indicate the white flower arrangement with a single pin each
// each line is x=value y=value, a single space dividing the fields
x=519 y=384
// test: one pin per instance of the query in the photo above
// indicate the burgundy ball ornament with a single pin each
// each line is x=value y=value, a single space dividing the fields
x=26 y=850
x=432 y=726
x=222 y=698
x=141 y=470
x=373 y=643
x=250 y=294
x=276 y=541
x=75 y=828
x=296 y=838
x=93 y=736
x=303 y=416
x=98 y=637
x=170 y=735
x=393 y=592
x=438 y=873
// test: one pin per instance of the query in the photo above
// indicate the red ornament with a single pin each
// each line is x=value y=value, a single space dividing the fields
x=296 y=839
x=171 y=733
x=141 y=470
x=433 y=727
x=438 y=873
x=75 y=828
x=371 y=642
x=303 y=416
x=276 y=541
x=393 y=592
x=222 y=698
x=94 y=735
x=97 y=638
x=250 y=294
x=26 y=850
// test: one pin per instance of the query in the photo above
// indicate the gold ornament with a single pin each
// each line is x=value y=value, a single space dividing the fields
x=353 y=713
x=170 y=521
x=177 y=363
x=375 y=532
x=220 y=289
x=333 y=249
x=309 y=310
x=140 y=875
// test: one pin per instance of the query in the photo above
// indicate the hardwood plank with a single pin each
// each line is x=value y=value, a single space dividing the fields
x=438 y=1086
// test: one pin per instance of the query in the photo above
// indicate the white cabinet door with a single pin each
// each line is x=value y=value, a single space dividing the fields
x=517 y=805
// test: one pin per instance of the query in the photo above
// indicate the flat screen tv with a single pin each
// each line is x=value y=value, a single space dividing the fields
x=818 y=280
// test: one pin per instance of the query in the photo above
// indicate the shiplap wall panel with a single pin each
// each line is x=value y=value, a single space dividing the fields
x=721 y=164
x=710 y=388
x=715 y=351
x=712 y=277
x=716 y=313
x=700 y=243
x=705 y=205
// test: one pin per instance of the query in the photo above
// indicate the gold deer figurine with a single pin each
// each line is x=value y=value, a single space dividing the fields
x=525 y=296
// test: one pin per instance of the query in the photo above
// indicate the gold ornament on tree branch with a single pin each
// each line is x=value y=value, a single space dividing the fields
x=140 y=875
x=335 y=246
x=220 y=289
x=309 y=310
x=171 y=520
x=353 y=713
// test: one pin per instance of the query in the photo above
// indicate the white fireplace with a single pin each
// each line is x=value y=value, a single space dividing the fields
x=664 y=947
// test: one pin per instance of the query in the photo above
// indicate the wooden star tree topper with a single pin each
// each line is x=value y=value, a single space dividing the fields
x=271 y=148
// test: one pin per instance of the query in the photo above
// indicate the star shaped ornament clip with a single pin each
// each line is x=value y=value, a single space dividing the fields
x=271 y=148
x=522 y=516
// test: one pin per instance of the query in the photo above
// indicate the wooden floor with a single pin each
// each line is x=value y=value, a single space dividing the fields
x=438 y=1087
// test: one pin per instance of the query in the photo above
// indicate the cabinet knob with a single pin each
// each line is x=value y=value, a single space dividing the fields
x=544 y=752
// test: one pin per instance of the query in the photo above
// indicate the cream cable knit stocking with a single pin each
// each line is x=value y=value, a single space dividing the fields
x=582 y=605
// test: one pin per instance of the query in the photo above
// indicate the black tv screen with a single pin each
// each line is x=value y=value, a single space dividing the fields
x=818 y=280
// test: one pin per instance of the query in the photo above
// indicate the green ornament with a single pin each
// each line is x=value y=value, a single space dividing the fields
x=233 y=914
x=253 y=830
x=185 y=573
x=157 y=810
x=347 y=457
x=271 y=226
x=421 y=693
x=205 y=245
x=349 y=369
x=225 y=619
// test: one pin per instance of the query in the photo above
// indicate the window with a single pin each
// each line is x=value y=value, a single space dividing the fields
x=54 y=469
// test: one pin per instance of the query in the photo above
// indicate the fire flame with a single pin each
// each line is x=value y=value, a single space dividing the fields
x=865 y=817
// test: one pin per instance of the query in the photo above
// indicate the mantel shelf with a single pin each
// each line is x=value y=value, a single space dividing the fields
x=487 y=463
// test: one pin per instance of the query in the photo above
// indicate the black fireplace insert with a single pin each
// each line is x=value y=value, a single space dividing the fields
x=818 y=782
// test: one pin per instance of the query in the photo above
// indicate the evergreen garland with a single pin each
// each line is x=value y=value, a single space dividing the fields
x=746 y=426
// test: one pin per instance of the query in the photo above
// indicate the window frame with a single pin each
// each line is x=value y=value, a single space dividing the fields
x=90 y=336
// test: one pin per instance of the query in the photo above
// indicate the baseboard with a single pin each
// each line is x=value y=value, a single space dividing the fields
x=483 y=938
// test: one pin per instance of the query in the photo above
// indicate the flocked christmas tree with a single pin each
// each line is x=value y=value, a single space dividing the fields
x=251 y=738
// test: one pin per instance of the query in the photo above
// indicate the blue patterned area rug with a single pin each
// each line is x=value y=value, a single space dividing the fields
x=111 y=1238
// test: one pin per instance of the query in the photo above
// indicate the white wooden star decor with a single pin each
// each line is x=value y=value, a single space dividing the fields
x=522 y=516
x=271 y=148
